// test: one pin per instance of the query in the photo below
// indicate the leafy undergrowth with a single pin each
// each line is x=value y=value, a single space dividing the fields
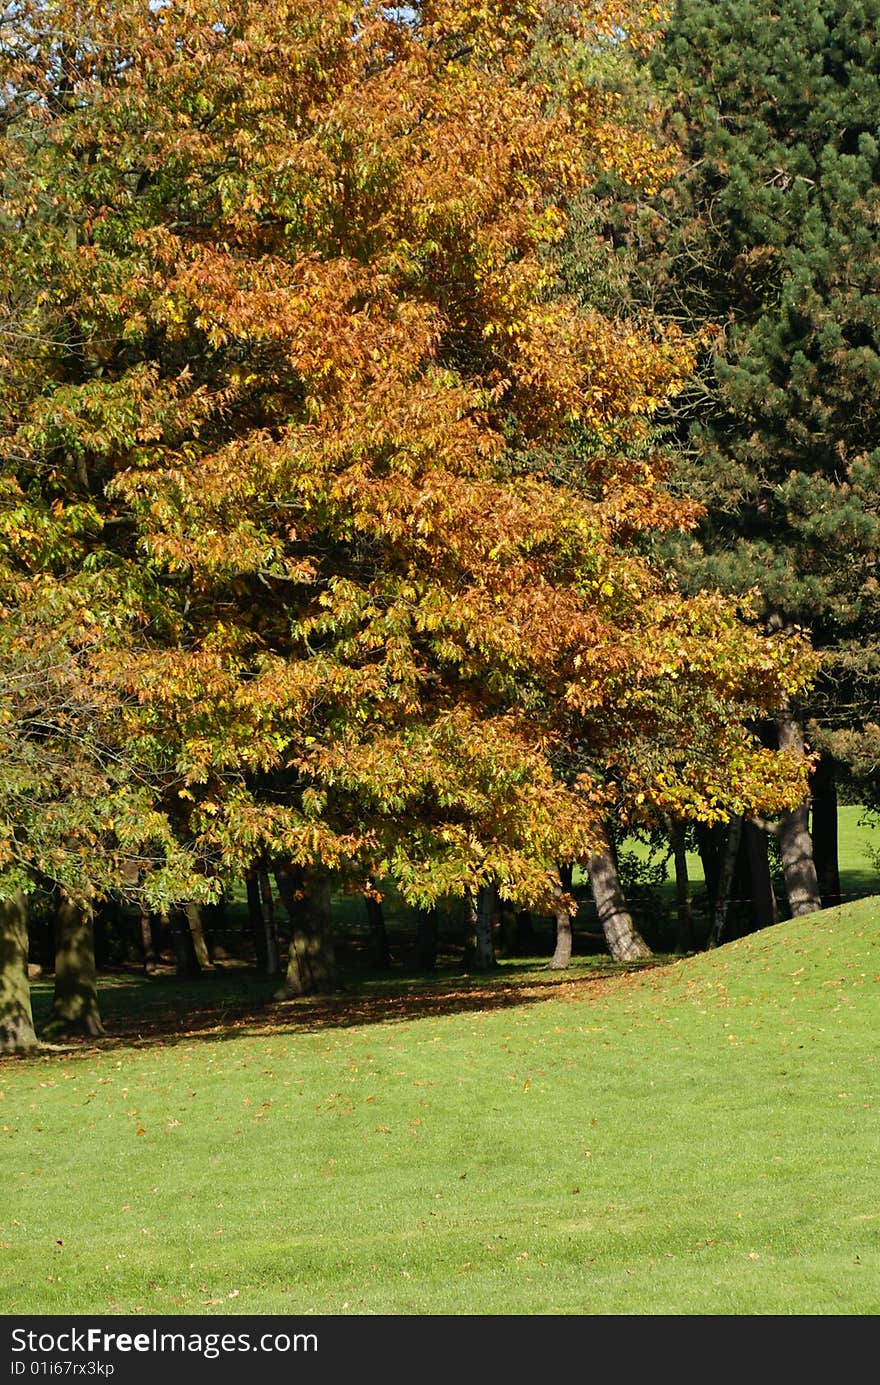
x=699 y=1137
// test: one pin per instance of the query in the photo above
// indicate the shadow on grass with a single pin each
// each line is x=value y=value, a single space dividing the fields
x=241 y=1004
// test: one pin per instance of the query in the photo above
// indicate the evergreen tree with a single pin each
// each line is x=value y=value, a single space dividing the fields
x=771 y=232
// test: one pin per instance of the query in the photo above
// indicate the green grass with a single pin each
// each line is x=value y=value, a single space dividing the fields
x=698 y=1138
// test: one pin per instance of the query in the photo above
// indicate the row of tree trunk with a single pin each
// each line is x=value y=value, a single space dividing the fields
x=735 y=866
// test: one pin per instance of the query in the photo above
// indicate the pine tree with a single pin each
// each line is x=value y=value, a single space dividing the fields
x=772 y=232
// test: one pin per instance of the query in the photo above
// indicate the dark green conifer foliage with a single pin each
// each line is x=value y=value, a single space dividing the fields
x=773 y=232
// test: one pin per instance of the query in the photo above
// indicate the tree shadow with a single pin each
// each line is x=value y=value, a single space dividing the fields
x=383 y=1002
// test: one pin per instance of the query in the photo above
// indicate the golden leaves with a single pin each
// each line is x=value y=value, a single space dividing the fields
x=305 y=257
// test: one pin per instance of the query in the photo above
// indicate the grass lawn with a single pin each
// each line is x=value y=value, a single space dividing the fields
x=700 y=1137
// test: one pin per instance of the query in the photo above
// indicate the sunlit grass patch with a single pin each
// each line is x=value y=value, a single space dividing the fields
x=698 y=1138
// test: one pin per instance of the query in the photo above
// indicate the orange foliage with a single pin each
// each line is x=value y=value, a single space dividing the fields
x=302 y=248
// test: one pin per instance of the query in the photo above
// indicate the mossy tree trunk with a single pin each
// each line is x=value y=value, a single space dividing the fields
x=16 y=1019
x=311 y=961
x=75 y=1008
x=214 y=927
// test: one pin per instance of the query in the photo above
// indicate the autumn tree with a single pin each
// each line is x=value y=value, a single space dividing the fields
x=299 y=338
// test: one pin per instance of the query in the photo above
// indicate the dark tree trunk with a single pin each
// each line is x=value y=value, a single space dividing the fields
x=311 y=961
x=710 y=845
x=517 y=930
x=426 y=940
x=480 y=950
x=380 y=953
x=507 y=929
x=527 y=940
x=16 y=1019
x=185 y=960
x=75 y=1005
x=793 y=835
x=824 y=825
x=726 y=875
x=255 y=917
x=764 y=908
x=562 y=913
x=147 y=944
x=270 y=930
x=625 y=942
x=289 y=882
x=214 y=928
x=684 y=921
x=108 y=933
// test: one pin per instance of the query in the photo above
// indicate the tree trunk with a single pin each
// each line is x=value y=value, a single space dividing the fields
x=214 y=927
x=75 y=1004
x=270 y=930
x=710 y=845
x=108 y=933
x=480 y=951
x=526 y=938
x=426 y=940
x=793 y=835
x=517 y=932
x=16 y=1019
x=625 y=943
x=725 y=879
x=764 y=908
x=255 y=917
x=380 y=953
x=200 y=947
x=289 y=882
x=147 y=944
x=185 y=959
x=824 y=825
x=562 y=953
x=311 y=962
x=684 y=920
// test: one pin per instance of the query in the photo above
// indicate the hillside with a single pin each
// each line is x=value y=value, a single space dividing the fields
x=700 y=1137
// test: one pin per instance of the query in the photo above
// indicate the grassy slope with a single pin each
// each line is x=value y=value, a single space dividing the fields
x=698 y=1138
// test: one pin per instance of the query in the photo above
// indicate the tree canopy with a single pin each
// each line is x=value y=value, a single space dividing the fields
x=283 y=341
